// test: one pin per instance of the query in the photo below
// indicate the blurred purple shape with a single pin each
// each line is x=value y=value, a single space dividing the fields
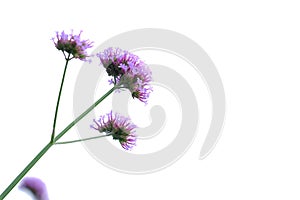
x=36 y=187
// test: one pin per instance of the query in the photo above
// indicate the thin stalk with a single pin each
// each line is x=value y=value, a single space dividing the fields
x=85 y=139
x=58 y=98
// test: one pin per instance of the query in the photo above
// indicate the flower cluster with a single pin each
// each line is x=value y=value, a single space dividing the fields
x=119 y=127
x=72 y=44
x=128 y=71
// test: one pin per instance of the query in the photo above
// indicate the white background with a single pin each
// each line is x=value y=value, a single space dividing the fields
x=255 y=46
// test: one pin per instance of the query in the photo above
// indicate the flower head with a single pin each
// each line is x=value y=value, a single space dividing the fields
x=36 y=187
x=119 y=127
x=128 y=71
x=72 y=44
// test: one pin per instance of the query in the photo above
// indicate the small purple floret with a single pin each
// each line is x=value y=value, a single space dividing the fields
x=36 y=187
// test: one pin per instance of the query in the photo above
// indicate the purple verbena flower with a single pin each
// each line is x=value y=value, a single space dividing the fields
x=128 y=71
x=36 y=187
x=119 y=127
x=72 y=44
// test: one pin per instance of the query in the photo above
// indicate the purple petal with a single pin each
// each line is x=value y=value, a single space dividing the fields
x=36 y=187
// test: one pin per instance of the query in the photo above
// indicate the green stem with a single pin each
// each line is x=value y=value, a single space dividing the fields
x=81 y=140
x=58 y=98
x=50 y=144
x=25 y=170
x=83 y=114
